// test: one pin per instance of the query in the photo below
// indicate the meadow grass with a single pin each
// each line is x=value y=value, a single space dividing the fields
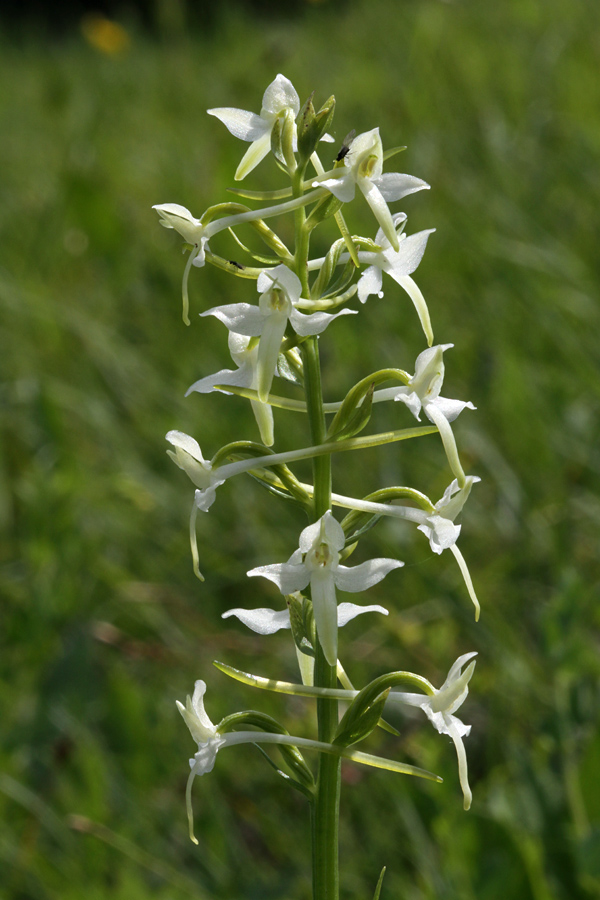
x=103 y=622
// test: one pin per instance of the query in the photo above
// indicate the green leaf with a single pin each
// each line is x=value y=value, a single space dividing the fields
x=379 y=884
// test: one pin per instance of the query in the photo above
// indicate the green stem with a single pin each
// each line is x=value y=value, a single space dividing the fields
x=326 y=807
x=327 y=797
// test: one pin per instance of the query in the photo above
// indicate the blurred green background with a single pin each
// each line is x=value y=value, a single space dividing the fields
x=103 y=624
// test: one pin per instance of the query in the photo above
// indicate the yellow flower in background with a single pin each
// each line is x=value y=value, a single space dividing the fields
x=105 y=35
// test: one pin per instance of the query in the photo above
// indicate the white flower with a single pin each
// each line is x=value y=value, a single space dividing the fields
x=280 y=292
x=244 y=352
x=439 y=526
x=399 y=264
x=363 y=166
x=279 y=97
x=172 y=215
x=316 y=562
x=209 y=741
x=423 y=393
x=440 y=708
x=188 y=456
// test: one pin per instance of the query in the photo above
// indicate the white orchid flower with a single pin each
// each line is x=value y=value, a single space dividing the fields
x=316 y=562
x=399 y=265
x=279 y=97
x=440 y=707
x=439 y=526
x=436 y=521
x=210 y=741
x=244 y=352
x=280 y=290
x=423 y=393
x=363 y=166
x=188 y=456
x=172 y=215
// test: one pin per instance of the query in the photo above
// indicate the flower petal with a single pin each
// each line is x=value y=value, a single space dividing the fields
x=324 y=601
x=365 y=148
x=240 y=123
x=315 y=323
x=405 y=260
x=204 y=499
x=273 y=330
x=442 y=533
x=262 y=620
x=195 y=717
x=255 y=153
x=173 y=215
x=411 y=399
x=334 y=533
x=280 y=94
x=429 y=371
x=394 y=186
x=380 y=209
x=281 y=277
x=187 y=443
x=370 y=283
x=463 y=773
x=364 y=576
x=288 y=577
x=243 y=318
x=238 y=378
x=348 y=611
x=451 y=409
x=344 y=187
x=414 y=292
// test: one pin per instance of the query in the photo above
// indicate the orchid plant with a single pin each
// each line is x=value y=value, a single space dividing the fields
x=278 y=338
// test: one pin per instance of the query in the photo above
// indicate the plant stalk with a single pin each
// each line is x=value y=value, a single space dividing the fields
x=326 y=806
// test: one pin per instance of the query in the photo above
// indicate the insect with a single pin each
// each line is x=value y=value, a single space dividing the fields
x=232 y=262
x=346 y=145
